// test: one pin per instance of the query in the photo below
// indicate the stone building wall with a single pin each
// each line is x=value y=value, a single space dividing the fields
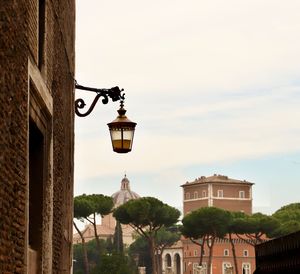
x=37 y=95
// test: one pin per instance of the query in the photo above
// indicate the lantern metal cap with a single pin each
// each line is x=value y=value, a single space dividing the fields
x=121 y=120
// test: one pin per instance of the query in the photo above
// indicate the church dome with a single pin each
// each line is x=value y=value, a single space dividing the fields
x=124 y=194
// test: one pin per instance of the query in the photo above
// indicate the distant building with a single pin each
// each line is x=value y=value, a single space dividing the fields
x=108 y=223
x=88 y=233
x=172 y=259
x=218 y=191
x=222 y=192
x=37 y=60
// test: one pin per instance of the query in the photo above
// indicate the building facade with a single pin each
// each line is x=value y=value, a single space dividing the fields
x=229 y=194
x=218 y=191
x=172 y=258
x=36 y=135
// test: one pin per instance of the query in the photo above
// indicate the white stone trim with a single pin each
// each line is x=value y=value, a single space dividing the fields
x=172 y=252
x=231 y=198
x=43 y=92
x=210 y=195
x=40 y=109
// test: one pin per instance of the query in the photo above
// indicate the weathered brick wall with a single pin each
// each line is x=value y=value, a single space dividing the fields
x=17 y=44
x=13 y=134
x=63 y=122
x=33 y=28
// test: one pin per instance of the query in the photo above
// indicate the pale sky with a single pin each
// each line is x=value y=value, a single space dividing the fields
x=214 y=87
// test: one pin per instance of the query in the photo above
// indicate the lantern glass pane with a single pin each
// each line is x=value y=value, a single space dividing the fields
x=115 y=134
x=128 y=134
x=122 y=139
x=127 y=138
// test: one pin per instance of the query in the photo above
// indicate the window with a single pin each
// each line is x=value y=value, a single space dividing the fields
x=246 y=267
x=245 y=253
x=187 y=195
x=195 y=253
x=220 y=193
x=242 y=194
x=36 y=181
x=195 y=195
x=226 y=252
x=203 y=193
x=41 y=31
x=226 y=268
x=168 y=260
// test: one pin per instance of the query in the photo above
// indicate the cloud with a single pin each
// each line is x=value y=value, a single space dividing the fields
x=174 y=45
x=206 y=81
x=221 y=131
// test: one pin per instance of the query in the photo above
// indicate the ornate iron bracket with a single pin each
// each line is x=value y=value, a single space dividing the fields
x=113 y=93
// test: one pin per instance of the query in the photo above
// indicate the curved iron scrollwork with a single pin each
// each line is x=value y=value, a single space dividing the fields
x=113 y=93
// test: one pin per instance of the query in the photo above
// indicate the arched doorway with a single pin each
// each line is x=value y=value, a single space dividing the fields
x=168 y=264
x=177 y=264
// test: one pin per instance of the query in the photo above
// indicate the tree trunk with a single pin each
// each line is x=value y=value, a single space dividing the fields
x=159 y=262
x=234 y=254
x=210 y=247
x=96 y=234
x=201 y=251
x=152 y=252
x=85 y=257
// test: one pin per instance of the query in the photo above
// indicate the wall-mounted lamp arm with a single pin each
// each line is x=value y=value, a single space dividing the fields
x=113 y=93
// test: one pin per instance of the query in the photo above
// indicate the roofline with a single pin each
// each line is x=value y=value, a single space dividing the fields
x=218 y=182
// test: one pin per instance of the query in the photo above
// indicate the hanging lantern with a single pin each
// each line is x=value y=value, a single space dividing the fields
x=121 y=132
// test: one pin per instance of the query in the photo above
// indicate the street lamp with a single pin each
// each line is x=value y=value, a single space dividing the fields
x=121 y=129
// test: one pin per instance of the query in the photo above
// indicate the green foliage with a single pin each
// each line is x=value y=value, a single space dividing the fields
x=118 y=239
x=289 y=218
x=83 y=207
x=86 y=205
x=114 y=263
x=93 y=254
x=257 y=224
x=140 y=250
x=147 y=212
x=206 y=221
x=102 y=204
x=287 y=228
x=263 y=223
x=165 y=238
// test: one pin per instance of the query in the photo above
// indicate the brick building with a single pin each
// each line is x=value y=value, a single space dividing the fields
x=36 y=135
x=218 y=191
